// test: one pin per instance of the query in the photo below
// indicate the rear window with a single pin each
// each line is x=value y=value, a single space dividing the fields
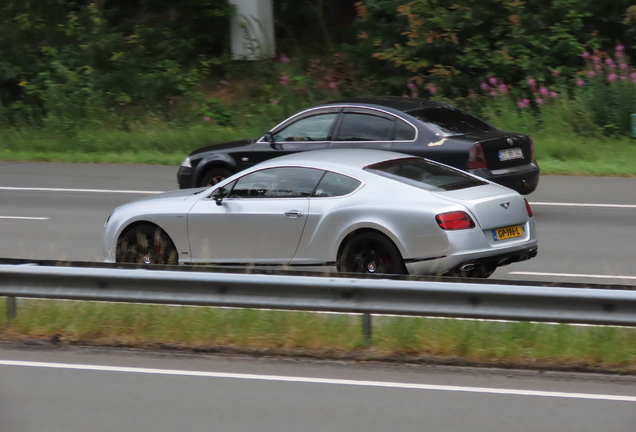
x=424 y=174
x=451 y=121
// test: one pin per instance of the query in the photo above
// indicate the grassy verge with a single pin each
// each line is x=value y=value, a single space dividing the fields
x=562 y=153
x=332 y=335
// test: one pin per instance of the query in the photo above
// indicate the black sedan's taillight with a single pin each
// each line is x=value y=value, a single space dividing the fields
x=476 y=157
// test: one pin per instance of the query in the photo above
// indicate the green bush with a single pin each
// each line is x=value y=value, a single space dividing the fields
x=453 y=44
x=64 y=63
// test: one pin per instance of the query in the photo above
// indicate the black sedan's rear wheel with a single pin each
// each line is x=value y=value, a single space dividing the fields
x=147 y=244
x=371 y=252
x=214 y=175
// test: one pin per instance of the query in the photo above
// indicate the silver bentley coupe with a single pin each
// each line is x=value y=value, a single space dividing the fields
x=345 y=210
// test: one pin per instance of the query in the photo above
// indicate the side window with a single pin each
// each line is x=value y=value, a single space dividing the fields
x=277 y=183
x=404 y=131
x=333 y=185
x=314 y=128
x=364 y=127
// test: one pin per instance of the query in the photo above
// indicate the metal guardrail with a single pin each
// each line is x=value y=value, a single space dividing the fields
x=313 y=293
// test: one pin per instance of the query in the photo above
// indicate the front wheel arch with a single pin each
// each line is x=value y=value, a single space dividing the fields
x=149 y=227
x=210 y=167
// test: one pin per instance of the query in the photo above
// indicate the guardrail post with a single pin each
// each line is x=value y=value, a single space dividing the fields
x=12 y=308
x=366 y=327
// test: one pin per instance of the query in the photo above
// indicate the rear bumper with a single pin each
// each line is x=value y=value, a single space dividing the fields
x=463 y=263
x=494 y=261
x=523 y=179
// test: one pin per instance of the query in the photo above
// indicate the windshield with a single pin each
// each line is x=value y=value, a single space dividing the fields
x=451 y=121
x=424 y=174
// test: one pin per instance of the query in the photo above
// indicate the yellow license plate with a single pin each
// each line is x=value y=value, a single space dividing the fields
x=507 y=232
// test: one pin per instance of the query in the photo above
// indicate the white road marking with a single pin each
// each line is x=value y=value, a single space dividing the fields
x=38 y=189
x=24 y=217
x=628 y=206
x=310 y=380
x=573 y=275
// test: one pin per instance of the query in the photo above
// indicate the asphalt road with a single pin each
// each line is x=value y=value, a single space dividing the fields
x=80 y=390
x=586 y=225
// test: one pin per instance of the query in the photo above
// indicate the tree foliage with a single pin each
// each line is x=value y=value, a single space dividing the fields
x=452 y=43
x=66 y=60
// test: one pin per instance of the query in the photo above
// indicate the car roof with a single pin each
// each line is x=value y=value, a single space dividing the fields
x=335 y=159
x=399 y=103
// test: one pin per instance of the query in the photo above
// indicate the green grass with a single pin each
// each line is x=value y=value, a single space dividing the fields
x=557 y=152
x=482 y=342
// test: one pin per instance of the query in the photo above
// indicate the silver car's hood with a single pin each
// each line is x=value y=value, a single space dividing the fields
x=492 y=205
x=185 y=193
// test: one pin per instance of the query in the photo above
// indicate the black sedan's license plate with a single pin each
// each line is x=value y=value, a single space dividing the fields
x=507 y=232
x=509 y=154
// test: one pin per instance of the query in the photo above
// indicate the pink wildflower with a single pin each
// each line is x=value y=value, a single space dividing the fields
x=411 y=86
x=612 y=77
x=555 y=72
x=531 y=82
x=543 y=91
x=622 y=78
x=585 y=54
x=554 y=95
x=414 y=95
x=284 y=58
x=275 y=102
x=206 y=118
x=493 y=81
x=493 y=93
x=431 y=89
x=609 y=61
x=333 y=85
x=580 y=83
x=503 y=88
x=596 y=60
x=539 y=101
x=522 y=103
x=591 y=73
x=284 y=79
x=484 y=86
x=622 y=66
x=633 y=76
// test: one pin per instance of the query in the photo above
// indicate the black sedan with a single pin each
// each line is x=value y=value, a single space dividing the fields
x=419 y=127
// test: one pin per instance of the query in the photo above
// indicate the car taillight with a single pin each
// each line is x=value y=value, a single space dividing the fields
x=456 y=220
x=531 y=148
x=528 y=208
x=476 y=157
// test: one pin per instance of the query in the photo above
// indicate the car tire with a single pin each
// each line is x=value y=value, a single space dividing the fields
x=147 y=244
x=213 y=176
x=370 y=252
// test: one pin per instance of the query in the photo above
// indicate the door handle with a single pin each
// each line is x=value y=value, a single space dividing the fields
x=293 y=214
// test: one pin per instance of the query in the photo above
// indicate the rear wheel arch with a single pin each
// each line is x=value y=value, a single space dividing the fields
x=371 y=233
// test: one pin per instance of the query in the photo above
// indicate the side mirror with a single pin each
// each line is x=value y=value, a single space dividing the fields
x=269 y=137
x=217 y=195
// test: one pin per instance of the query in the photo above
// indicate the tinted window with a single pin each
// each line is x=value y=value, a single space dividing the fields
x=333 y=185
x=364 y=127
x=404 y=131
x=277 y=182
x=314 y=128
x=424 y=174
x=451 y=121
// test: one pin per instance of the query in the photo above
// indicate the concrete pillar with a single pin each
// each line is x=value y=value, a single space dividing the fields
x=253 y=30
